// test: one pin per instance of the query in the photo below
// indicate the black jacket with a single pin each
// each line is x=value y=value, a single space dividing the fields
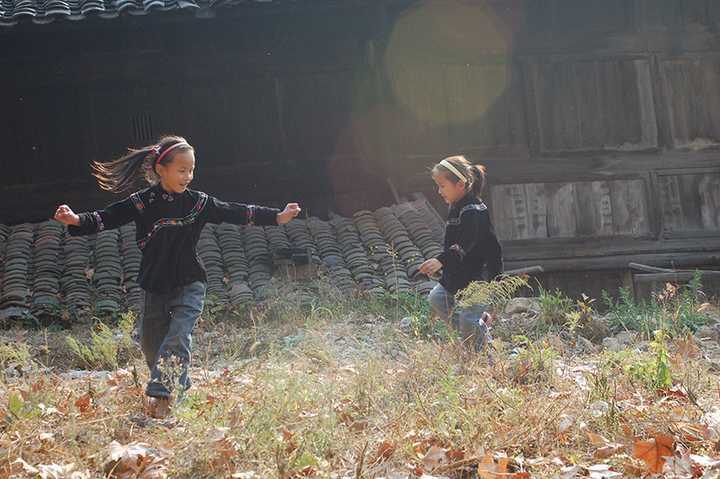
x=168 y=228
x=472 y=251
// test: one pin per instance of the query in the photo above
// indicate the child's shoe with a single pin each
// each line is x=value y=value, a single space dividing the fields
x=157 y=407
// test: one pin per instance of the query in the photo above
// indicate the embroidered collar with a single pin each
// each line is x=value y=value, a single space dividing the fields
x=455 y=208
x=158 y=192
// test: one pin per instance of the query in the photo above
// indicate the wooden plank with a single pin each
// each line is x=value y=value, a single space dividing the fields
x=593 y=208
x=690 y=202
x=629 y=208
x=561 y=218
x=536 y=210
x=648 y=121
x=610 y=261
x=693 y=96
x=519 y=211
x=670 y=198
x=709 y=189
x=503 y=211
x=589 y=103
x=605 y=246
x=594 y=104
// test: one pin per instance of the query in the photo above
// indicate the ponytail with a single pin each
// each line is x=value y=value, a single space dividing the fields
x=121 y=174
x=479 y=175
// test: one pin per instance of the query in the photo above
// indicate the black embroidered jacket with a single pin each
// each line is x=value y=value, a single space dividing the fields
x=471 y=247
x=168 y=228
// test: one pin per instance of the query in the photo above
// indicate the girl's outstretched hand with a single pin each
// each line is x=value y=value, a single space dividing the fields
x=430 y=267
x=290 y=212
x=65 y=215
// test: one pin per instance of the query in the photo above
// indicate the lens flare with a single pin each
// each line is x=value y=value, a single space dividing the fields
x=448 y=61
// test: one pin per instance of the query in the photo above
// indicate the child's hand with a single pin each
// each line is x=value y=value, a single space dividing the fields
x=290 y=212
x=66 y=216
x=430 y=267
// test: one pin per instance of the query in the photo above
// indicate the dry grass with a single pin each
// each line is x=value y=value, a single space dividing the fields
x=298 y=390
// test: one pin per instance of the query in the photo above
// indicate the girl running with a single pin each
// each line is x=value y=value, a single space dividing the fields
x=169 y=218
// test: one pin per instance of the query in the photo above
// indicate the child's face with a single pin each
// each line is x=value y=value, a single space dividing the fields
x=177 y=175
x=451 y=191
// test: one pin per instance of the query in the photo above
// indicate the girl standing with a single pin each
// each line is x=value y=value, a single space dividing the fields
x=169 y=218
x=472 y=252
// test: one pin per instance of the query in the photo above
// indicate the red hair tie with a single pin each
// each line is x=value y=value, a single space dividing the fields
x=167 y=150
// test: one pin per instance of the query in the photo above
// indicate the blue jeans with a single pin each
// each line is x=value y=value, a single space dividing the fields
x=468 y=321
x=165 y=335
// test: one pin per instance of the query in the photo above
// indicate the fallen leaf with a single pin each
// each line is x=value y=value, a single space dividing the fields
x=308 y=471
x=435 y=457
x=489 y=469
x=605 y=448
x=84 y=403
x=135 y=460
x=385 y=450
x=456 y=454
x=597 y=439
x=633 y=469
x=415 y=469
x=654 y=452
x=675 y=392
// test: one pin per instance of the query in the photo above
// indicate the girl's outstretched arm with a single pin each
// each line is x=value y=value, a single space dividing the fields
x=79 y=224
x=242 y=214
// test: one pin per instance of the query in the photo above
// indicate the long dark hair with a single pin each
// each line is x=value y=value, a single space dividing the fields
x=475 y=175
x=121 y=174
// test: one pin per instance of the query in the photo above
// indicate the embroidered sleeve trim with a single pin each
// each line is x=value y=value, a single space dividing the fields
x=98 y=220
x=251 y=214
x=474 y=206
x=167 y=222
x=138 y=202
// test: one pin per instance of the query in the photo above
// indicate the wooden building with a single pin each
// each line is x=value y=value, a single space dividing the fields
x=598 y=120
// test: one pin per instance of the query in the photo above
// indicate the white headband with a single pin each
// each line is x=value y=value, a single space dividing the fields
x=454 y=170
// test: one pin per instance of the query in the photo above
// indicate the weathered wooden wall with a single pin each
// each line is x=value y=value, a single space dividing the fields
x=603 y=146
x=599 y=120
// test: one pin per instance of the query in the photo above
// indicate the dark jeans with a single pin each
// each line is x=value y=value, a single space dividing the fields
x=467 y=320
x=165 y=328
